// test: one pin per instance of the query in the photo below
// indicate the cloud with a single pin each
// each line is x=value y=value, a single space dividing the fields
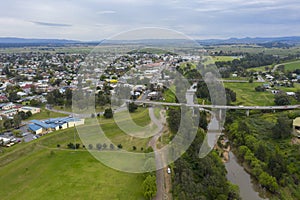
x=103 y=12
x=51 y=24
x=97 y=20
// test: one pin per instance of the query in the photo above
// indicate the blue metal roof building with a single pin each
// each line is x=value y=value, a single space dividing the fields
x=54 y=124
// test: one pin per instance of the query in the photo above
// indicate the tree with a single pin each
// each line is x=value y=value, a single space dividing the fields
x=108 y=113
x=34 y=102
x=230 y=95
x=298 y=95
x=111 y=146
x=261 y=153
x=282 y=128
x=282 y=99
x=120 y=146
x=203 y=120
x=104 y=145
x=17 y=120
x=99 y=146
x=29 y=114
x=133 y=148
x=17 y=133
x=22 y=115
x=71 y=145
x=33 y=89
x=90 y=146
x=7 y=123
x=174 y=117
x=277 y=165
x=149 y=187
x=260 y=89
x=268 y=181
x=68 y=94
x=13 y=96
x=132 y=107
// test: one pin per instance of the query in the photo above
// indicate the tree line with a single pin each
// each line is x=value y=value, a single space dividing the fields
x=263 y=145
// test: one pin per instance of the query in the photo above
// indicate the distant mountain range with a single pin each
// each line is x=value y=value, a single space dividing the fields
x=13 y=41
x=248 y=40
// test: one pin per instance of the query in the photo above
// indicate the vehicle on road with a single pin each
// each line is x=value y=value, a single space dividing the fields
x=169 y=170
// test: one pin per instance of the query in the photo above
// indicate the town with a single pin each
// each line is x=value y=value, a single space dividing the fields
x=38 y=101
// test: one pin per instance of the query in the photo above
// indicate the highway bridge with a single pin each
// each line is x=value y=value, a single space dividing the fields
x=223 y=107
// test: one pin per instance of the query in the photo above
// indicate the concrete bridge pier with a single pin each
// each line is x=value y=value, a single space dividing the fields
x=247 y=113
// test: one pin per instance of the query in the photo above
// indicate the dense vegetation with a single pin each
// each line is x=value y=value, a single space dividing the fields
x=250 y=61
x=263 y=143
x=197 y=178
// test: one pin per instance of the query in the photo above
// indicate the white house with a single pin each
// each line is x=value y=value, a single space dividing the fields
x=33 y=110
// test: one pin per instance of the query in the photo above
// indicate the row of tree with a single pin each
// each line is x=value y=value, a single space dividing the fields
x=257 y=142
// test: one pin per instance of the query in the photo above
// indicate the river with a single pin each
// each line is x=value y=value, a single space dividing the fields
x=249 y=190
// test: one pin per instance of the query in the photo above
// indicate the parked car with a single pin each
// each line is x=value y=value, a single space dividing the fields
x=169 y=170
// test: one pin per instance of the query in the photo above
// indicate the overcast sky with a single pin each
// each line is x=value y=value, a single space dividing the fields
x=99 y=19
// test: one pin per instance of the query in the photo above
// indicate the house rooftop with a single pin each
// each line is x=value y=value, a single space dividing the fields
x=34 y=127
x=296 y=122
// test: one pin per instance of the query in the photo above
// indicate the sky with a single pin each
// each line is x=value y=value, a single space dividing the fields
x=94 y=20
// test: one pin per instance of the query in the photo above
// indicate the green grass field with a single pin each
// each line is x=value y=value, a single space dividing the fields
x=260 y=69
x=223 y=58
x=290 y=89
x=292 y=66
x=69 y=109
x=45 y=114
x=246 y=94
x=169 y=96
x=41 y=170
x=57 y=174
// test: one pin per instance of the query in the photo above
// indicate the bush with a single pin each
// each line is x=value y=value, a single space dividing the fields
x=99 y=146
x=108 y=113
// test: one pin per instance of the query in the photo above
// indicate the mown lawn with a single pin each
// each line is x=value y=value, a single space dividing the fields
x=69 y=109
x=45 y=114
x=58 y=174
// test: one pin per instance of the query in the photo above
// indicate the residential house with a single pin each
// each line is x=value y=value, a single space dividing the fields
x=296 y=127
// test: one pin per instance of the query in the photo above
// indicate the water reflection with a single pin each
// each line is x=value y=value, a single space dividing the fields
x=238 y=176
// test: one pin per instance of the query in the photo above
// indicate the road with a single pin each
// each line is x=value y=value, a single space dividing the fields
x=160 y=173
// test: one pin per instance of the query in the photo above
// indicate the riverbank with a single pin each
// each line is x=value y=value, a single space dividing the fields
x=239 y=173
